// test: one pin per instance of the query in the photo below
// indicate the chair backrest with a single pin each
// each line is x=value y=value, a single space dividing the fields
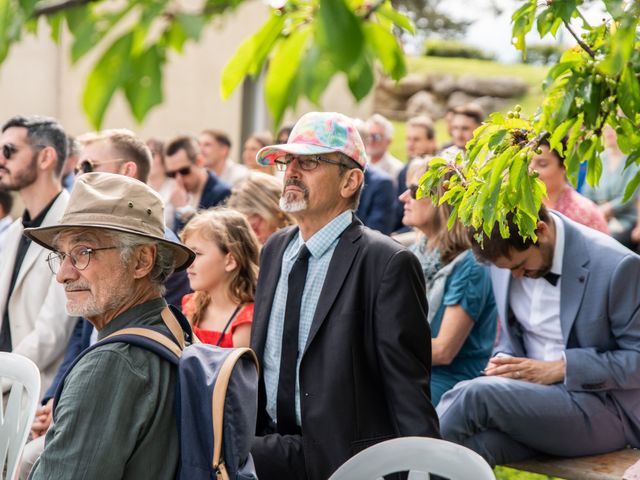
x=21 y=399
x=418 y=455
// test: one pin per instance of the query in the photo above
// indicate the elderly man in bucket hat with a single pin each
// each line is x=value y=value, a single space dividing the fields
x=114 y=416
x=340 y=325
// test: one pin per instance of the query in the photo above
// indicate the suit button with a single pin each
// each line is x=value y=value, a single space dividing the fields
x=306 y=394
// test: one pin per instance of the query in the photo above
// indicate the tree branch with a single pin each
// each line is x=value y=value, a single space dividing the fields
x=584 y=46
x=58 y=7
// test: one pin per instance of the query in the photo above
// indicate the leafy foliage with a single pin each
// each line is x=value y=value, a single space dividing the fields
x=594 y=84
x=302 y=45
x=311 y=41
x=450 y=48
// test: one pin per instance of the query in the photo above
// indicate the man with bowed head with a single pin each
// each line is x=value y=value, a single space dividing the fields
x=565 y=378
x=340 y=325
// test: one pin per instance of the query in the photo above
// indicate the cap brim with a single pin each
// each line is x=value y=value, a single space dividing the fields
x=43 y=236
x=267 y=155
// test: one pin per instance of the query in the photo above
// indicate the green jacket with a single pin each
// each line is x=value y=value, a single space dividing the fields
x=115 y=417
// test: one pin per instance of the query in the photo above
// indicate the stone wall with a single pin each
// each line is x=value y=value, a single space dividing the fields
x=434 y=93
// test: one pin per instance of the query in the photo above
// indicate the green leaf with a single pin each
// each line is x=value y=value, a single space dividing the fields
x=615 y=8
x=339 y=34
x=280 y=81
x=55 y=22
x=555 y=140
x=629 y=97
x=621 y=47
x=315 y=73
x=175 y=37
x=360 y=78
x=631 y=187
x=548 y=22
x=192 y=25
x=251 y=55
x=588 y=153
x=107 y=76
x=385 y=46
x=522 y=21
x=386 y=10
x=143 y=89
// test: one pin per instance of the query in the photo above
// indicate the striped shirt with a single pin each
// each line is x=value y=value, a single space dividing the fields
x=321 y=247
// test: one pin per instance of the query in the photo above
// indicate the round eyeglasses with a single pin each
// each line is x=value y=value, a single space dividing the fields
x=79 y=255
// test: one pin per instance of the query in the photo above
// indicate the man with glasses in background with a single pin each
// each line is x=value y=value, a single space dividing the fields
x=340 y=322
x=196 y=187
x=377 y=142
x=33 y=320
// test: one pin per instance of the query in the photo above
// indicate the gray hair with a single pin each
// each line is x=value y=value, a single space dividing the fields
x=377 y=119
x=163 y=266
x=347 y=163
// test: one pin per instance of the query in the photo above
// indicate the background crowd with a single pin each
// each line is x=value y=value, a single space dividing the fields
x=226 y=211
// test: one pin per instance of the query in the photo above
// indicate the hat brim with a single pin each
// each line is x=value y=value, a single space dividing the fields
x=43 y=236
x=267 y=155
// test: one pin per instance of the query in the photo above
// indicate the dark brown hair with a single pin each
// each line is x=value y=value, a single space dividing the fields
x=494 y=246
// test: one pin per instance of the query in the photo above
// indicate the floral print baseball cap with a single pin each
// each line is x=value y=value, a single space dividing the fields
x=316 y=133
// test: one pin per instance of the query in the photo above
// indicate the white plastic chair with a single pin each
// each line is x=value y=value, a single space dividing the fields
x=418 y=455
x=15 y=421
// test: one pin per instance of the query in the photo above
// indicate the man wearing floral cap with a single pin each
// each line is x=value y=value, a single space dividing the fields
x=340 y=323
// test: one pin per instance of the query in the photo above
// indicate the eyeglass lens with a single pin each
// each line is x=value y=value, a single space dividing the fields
x=413 y=189
x=79 y=256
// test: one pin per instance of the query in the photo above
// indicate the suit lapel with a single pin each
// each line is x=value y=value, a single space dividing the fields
x=269 y=277
x=339 y=267
x=35 y=251
x=574 y=278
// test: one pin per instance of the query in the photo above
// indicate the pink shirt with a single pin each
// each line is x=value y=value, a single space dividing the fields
x=580 y=209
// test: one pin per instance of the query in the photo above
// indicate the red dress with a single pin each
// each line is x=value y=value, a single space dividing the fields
x=244 y=316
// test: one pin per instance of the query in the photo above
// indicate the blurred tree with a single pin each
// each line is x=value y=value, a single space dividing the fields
x=595 y=83
x=428 y=17
x=304 y=43
x=543 y=54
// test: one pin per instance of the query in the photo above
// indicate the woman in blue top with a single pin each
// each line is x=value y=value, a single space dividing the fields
x=462 y=310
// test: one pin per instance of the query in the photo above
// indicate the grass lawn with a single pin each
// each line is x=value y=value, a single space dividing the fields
x=533 y=75
x=504 y=473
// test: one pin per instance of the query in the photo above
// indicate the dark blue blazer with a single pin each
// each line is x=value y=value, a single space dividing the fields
x=377 y=201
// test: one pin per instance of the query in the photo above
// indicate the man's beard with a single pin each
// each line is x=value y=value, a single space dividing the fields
x=117 y=293
x=22 y=178
x=288 y=202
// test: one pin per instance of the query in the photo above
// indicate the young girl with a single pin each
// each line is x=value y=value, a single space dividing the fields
x=223 y=277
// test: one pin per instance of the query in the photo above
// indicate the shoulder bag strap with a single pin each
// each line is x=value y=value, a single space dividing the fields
x=219 y=394
x=174 y=327
x=150 y=334
x=224 y=330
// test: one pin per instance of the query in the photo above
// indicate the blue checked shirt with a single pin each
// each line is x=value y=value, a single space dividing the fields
x=321 y=246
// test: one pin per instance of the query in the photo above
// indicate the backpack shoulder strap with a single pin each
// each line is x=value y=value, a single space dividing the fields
x=152 y=335
x=219 y=394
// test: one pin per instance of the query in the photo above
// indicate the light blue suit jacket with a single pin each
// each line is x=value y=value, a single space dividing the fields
x=599 y=317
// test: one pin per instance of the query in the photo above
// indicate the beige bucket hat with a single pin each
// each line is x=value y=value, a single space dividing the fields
x=107 y=201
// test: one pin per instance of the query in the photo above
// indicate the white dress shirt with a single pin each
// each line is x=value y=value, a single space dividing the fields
x=536 y=305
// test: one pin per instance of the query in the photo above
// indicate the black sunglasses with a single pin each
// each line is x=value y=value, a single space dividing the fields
x=9 y=150
x=413 y=190
x=182 y=171
x=88 y=165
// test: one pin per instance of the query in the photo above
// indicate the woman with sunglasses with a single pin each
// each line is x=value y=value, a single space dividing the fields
x=223 y=277
x=462 y=310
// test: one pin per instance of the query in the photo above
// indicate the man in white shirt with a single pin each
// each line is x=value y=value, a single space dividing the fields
x=377 y=142
x=565 y=378
x=215 y=146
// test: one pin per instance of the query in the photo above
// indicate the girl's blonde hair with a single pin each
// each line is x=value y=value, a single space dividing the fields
x=450 y=243
x=231 y=233
x=259 y=194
